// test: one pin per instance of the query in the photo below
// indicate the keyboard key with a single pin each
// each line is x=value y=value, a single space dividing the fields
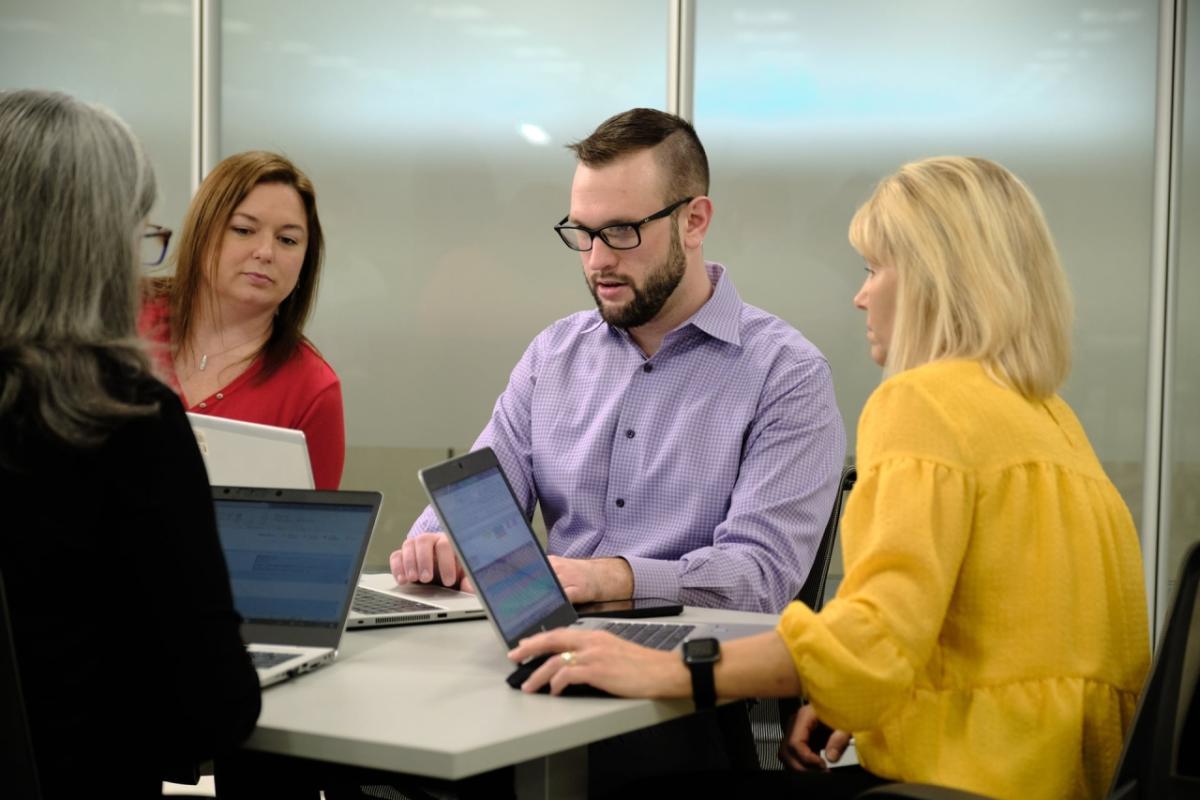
x=370 y=602
x=266 y=660
x=658 y=637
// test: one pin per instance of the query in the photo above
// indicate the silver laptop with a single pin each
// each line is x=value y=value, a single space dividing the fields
x=294 y=559
x=380 y=601
x=240 y=453
x=247 y=454
x=510 y=571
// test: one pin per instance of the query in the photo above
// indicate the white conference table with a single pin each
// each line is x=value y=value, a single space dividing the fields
x=431 y=700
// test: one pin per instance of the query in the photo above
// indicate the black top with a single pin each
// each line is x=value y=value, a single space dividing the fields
x=123 y=620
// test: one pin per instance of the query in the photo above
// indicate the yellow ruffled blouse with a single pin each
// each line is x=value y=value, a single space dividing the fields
x=991 y=630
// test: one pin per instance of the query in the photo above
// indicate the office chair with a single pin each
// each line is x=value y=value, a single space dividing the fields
x=18 y=770
x=812 y=593
x=1161 y=757
x=768 y=717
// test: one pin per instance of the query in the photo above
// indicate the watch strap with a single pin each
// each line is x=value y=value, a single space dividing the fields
x=704 y=689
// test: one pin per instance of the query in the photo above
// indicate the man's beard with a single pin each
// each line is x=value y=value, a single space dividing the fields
x=651 y=296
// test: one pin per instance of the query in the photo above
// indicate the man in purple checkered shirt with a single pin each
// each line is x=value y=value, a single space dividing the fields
x=682 y=443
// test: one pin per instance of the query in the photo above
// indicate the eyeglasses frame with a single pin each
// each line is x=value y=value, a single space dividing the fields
x=158 y=232
x=599 y=232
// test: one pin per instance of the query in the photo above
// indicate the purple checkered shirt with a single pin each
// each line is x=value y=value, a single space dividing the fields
x=710 y=468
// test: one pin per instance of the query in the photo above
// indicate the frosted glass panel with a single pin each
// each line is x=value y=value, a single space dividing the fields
x=434 y=133
x=133 y=57
x=804 y=106
x=1183 y=425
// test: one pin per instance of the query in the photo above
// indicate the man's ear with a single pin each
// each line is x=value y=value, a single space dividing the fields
x=696 y=219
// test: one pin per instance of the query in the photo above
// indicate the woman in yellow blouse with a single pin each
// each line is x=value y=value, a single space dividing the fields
x=991 y=630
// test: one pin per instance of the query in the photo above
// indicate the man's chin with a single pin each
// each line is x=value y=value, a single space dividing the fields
x=613 y=313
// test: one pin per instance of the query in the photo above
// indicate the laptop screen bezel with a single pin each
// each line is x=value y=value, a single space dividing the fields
x=470 y=465
x=261 y=631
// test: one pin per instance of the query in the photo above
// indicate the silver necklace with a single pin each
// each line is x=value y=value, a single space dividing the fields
x=203 y=363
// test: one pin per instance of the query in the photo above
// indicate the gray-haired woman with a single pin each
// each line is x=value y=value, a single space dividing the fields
x=104 y=493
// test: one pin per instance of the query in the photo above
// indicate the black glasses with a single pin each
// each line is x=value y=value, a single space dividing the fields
x=619 y=236
x=154 y=245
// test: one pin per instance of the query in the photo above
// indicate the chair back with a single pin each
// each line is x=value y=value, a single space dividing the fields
x=1161 y=757
x=812 y=593
x=18 y=770
x=769 y=717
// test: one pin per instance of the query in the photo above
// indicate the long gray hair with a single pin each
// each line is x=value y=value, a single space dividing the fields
x=75 y=187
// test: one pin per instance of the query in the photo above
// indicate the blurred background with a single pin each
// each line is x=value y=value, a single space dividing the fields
x=435 y=133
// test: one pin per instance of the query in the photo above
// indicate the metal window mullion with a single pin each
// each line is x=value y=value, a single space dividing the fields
x=206 y=87
x=1165 y=241
x=681 y=57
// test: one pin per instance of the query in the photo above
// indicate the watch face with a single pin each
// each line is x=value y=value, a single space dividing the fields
x=701 y=650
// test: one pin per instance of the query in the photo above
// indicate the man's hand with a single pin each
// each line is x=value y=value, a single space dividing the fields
x=428 y=558
x=588 y=580
x=801 y=750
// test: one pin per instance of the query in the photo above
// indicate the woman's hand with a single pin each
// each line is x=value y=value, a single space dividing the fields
x=603 y=661
x=801 y=750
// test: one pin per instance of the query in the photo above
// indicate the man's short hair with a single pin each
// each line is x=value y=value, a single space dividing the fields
x=679 y=152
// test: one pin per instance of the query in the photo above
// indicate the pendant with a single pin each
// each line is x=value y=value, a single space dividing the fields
x=203 y=362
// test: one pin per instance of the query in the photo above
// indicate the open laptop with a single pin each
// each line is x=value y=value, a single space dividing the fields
x=247 y=454
x=510 y=571
x=380 y=602
x=294 y=559
x=240 y=453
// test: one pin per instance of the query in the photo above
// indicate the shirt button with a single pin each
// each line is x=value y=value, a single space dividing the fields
x=629 y=434
x=203 y=404
x=220 y=396
x=647 y=368
x=620 y=503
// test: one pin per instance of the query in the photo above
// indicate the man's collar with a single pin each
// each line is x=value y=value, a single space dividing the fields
x=720 y=316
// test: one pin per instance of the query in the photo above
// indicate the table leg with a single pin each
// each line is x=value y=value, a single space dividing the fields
x=558 y=775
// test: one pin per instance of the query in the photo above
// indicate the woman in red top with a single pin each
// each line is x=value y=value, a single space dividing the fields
x=230 y=321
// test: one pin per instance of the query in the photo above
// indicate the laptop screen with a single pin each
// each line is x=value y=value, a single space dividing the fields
x=509 y=570
x=291 y=563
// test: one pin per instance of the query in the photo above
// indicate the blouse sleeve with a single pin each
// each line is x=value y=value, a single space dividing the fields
x=905 y=533
x=324 y=429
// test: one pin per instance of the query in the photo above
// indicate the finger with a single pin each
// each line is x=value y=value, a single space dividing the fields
x=557 y=671
x=836 y=746
x=447 y=562
x=465 y=585
x=396 y=563
x=555 y=641
x=566 y=674
x=800 y=757
x=797 y=750
x=408 y=556
x=423 y=552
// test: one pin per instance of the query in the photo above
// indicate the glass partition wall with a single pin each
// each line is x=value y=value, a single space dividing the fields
x=805 y=106
x=1181 y=440
x=434 y=132
x=134 y=58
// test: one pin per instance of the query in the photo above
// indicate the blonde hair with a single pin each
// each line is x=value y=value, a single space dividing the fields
x=978 y=276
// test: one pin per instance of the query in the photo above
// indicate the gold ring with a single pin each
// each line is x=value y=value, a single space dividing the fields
x=567 y=656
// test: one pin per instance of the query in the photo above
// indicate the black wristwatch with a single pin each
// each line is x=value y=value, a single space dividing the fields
x=700 y=655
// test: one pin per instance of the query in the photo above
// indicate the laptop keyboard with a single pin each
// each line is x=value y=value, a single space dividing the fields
x=265 y=660
x=369 y=602
x=659 y=637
